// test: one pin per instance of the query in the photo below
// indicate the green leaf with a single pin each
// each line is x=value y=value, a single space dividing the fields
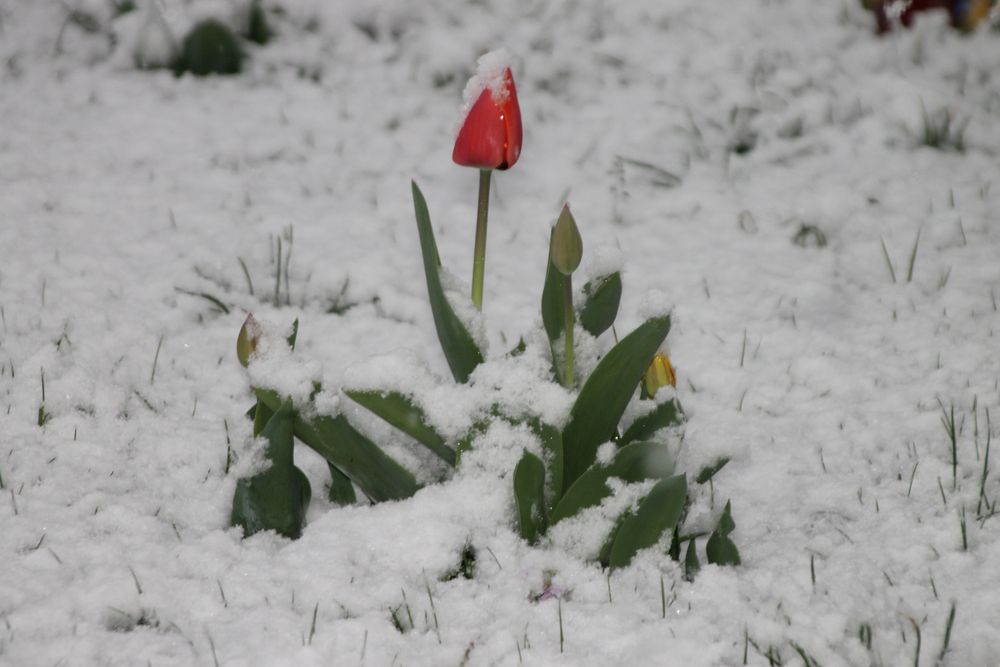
x=691 y=564
x=378 y=475
x=602 y=400
x=658 y=513
x=601 y=297
x=552 y=300
x=459 y=348
x=604 y=556
x=341 y=491
x=553 y=308
x=261 y=416
x=211 y=48
x=400 y=411
x=257 y=30
x=294 y=335
x=529 y=493
x=551 y=438
x=633 y=463
x=277 y=498
x=709 y=471
x=721 y=550
x=668 y=413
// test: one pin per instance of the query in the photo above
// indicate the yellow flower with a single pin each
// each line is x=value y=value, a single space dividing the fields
x=659 y=374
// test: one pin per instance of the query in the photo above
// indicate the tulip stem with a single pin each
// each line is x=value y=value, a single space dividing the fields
x=568 y=324
x=479 y=253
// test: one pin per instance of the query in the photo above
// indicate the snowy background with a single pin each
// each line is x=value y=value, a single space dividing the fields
x=834 y=281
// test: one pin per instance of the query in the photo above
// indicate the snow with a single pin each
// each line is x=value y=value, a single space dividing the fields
x=491 y=69
x=129 y=195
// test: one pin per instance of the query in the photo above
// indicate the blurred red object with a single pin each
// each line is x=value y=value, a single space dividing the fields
x=962 y=14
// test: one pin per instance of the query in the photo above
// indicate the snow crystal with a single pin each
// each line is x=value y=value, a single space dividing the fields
x=603 y=260
x=489 y=74
x=655 y=303
x=456 y=291
x=606 y=453
x=274 y=366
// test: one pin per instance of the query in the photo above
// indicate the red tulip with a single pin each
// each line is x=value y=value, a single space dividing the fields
x=490 y=137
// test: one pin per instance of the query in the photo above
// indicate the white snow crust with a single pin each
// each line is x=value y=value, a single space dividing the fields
x=819 y=368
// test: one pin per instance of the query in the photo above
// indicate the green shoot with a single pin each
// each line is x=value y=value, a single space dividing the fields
x=888 y=262
x=312 y=628
x=962 y=523
x=948 y=421
x=561 y=636
x=156 y=358
x=437 y=626
x=986 y=469
x=211 y=644
x=913 y=474
x=913 y=258
x=246 y=274
x=916 y=655
x=663 y=599
x=947 y=634
x=135 y=578
x=43 y=416
x=222 y=593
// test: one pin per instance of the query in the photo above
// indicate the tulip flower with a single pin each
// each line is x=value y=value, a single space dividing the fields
x=490 y=138
x=659 y=374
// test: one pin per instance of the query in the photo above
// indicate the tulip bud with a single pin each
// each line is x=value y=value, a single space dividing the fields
x=246 y=342
x=659 y=374
x=490 y=136
x=567 y=246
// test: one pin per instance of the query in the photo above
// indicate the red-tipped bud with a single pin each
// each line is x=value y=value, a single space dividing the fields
x=490 y=137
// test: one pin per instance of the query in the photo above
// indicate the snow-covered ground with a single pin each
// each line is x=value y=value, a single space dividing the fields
x=822 y=367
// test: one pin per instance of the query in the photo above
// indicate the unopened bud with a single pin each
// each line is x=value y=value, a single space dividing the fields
x=567 y=246
x=659 y=374
x=246 y=342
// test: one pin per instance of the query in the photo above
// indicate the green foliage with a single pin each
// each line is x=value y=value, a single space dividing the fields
x=258 y=31
x=553 y=297
x=657 y=515
x=552 y=443
x=460 y=349
x=277 y=498
x=377 y=474
x=401 y=412
x=341 y=491
x=211 y=48
x=601 y=298
x=567 y=478
x=633 y=463
x=602 y=400
x=720 y=549
x=529 y=494
x=668 y=413
x=942 y=131
x=691 y=564
x=708 y=472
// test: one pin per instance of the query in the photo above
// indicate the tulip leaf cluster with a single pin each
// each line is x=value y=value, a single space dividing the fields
x=556 y=482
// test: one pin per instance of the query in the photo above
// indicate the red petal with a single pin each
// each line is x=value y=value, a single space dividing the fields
x=512 y=123
x=481 y=140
